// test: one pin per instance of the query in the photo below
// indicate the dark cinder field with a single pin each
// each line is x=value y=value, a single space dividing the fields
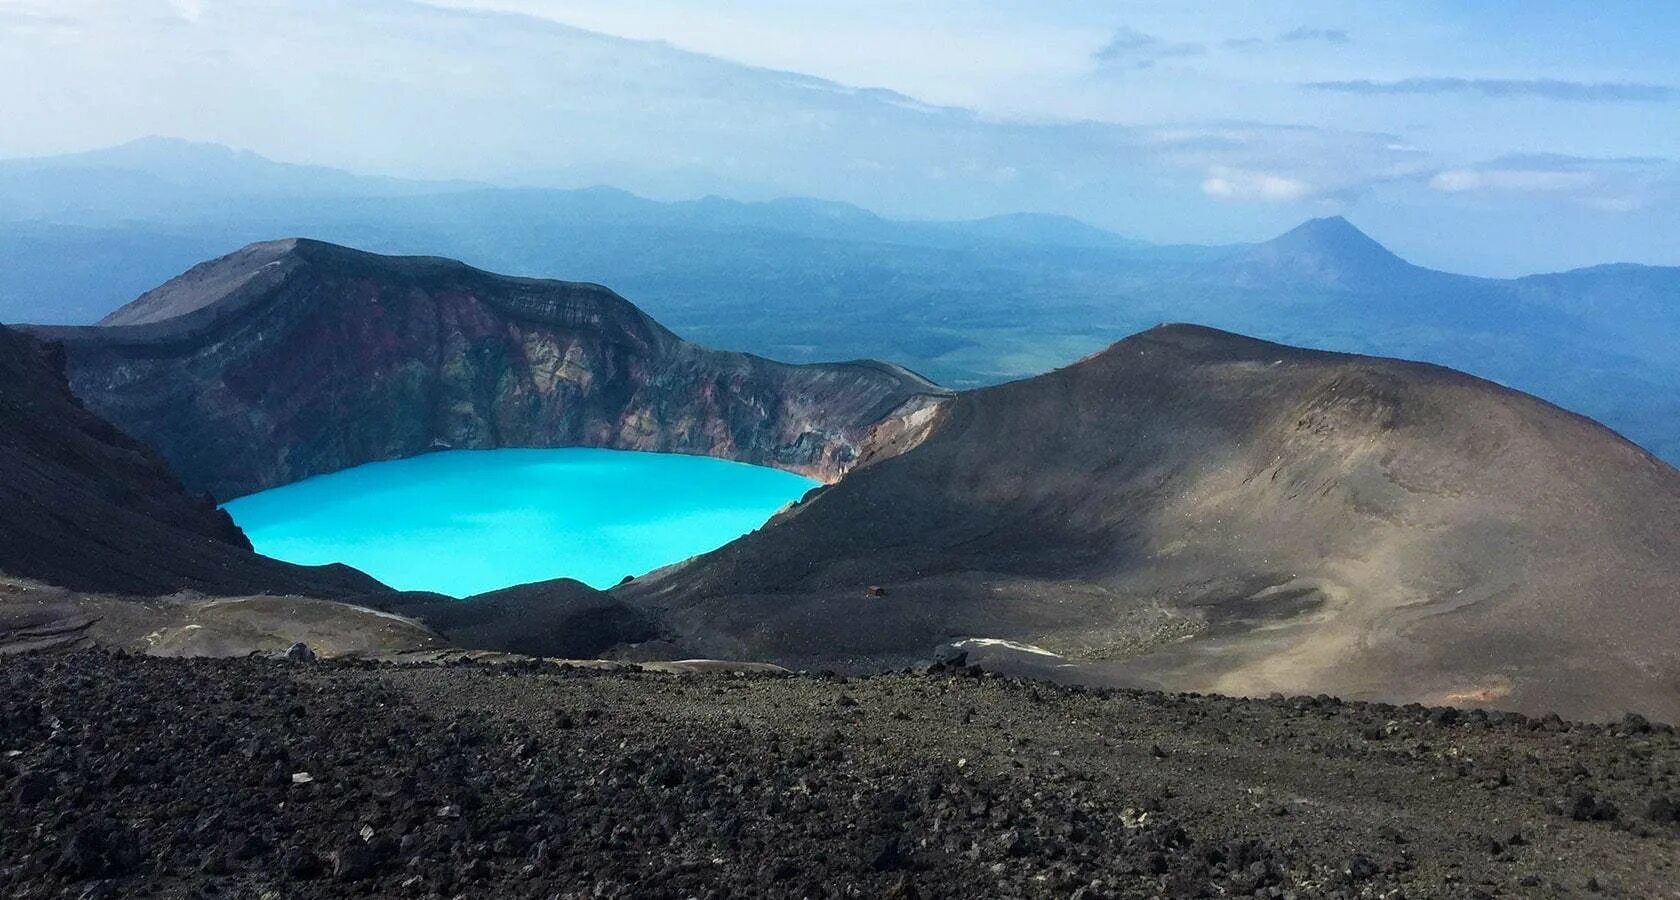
x=130 y=777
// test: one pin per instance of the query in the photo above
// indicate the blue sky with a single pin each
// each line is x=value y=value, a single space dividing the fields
x=1486 y=137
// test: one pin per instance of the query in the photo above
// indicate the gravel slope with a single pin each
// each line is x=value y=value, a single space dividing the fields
x=129 y=776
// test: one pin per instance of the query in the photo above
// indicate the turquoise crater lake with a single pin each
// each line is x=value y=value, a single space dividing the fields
x=464 y=522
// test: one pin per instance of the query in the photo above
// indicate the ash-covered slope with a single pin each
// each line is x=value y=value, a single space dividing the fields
x=85 y=507
x=1198 y=510
x=294 y=358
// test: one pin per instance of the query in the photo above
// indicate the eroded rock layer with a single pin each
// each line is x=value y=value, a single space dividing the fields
x=296 y=358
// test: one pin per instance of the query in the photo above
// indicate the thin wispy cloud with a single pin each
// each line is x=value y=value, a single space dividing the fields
x=1454 y=181
x=1253 y=162
x=1619 y=185
x=1326 y=35
x=1132 y=49
x=1302 y=35
x=1539 y=88
x=26 y=18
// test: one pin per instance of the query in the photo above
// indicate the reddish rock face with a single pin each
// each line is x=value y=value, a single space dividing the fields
x=296 y=358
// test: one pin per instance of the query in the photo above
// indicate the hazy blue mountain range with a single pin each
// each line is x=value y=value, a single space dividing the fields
x=965 y=303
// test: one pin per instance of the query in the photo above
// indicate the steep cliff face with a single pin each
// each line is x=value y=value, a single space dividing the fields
x=86 y=507
x=1202 y=511
x=295 y=358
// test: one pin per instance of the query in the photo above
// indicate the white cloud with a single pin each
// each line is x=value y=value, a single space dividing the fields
x=1616 y=204
x=1454 y=181
x=1227 y=183
x=1615 y=185
x=191 y=10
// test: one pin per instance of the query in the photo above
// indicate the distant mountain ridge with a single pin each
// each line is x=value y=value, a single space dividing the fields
x=216 y=170
x=1330 y=250
x=967 y=303
x=219 y=169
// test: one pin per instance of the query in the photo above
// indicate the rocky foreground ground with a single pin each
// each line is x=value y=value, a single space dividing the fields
x=132 y=777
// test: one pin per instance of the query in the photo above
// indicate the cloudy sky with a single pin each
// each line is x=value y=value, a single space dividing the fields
x=1485 y=137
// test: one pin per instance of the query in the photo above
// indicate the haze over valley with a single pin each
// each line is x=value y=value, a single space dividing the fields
x=966 y=303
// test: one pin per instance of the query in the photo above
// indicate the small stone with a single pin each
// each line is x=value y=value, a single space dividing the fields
x=301 y=652
x=100 y=851
x=1586 y=806
x=887 y=855
x=354 y=861
x=249 y=848
x=302 y=778
x=32 y=786
x=214 y=864
x=1361 y=868
x=301 y=864
x=948 y=658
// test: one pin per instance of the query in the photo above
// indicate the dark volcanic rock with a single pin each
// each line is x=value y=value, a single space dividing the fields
x=99 y=849
x=84 y=506
x=1203 y=511
x=562 y=618
x=452 y=781
x=295 y=358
